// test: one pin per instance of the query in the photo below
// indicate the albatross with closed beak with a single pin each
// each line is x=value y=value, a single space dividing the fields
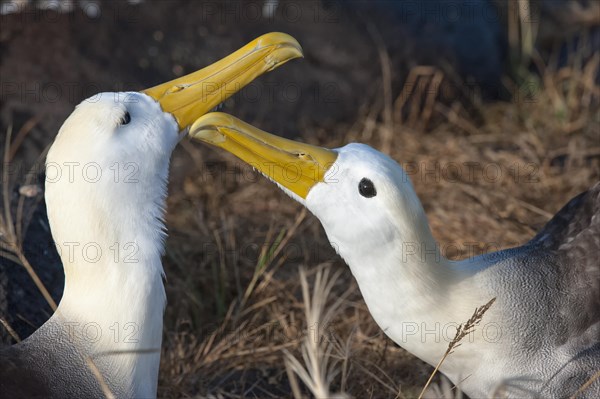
x=106 y=183
x=540 y=338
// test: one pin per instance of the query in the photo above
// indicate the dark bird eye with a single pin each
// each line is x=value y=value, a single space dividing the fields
x=366 y=188
x=126 y=118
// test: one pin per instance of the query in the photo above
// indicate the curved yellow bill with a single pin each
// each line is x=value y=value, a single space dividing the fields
x=193 y=95
x=296 y=166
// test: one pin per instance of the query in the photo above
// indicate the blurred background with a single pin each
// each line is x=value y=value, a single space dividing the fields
x=490 y=105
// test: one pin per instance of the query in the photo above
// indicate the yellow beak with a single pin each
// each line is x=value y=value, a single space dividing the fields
x=295 y=166
x=193 y=95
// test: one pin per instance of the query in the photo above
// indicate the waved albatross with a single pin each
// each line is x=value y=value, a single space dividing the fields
x=106 y=183
x=541 y=337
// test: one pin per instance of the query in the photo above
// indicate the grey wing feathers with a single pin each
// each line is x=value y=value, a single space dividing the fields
x=572 y=236
x=17 y=380
x=579 y=217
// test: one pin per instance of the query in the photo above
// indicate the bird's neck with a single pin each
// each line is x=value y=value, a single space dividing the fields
x=412 y=291
x=114 y=298
x=117 y=324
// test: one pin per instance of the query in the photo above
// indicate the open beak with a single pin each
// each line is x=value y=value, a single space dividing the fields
x=193 y=95
x=296 y=166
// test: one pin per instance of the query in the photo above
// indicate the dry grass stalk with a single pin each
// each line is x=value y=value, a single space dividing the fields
x=586 y=385
x=108 y=394
x=461 y=332
x=319 y=367
x=267 y=257
x=386 y=74
x=12 y=332
x=444 y=390
x=528 y=29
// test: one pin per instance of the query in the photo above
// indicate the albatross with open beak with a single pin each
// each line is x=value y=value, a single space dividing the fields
x=106 y=183
x=541 y=337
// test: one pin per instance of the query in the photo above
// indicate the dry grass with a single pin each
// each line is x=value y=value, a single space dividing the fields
x=321 y=353
x=489 y=176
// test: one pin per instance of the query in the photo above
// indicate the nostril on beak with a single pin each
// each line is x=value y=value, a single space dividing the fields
x=175 y=89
